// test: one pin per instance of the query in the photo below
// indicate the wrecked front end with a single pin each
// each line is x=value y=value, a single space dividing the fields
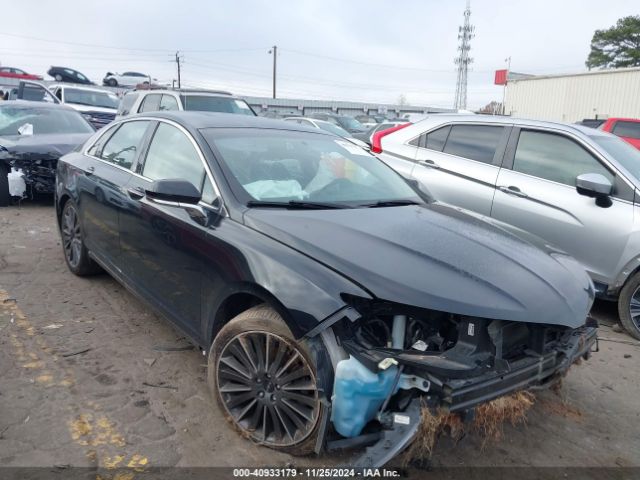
x=402 y=359
x=31 y=161
x=31 y=175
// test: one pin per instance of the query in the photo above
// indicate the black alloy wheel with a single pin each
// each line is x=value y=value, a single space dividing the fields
x=71 y=236
x=268 y=388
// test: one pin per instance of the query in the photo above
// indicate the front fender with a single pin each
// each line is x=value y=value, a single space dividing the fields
x=301 y=289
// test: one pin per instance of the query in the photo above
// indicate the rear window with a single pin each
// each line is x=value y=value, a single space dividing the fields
x=209 y=103
x=476 y=142
x=627 y=129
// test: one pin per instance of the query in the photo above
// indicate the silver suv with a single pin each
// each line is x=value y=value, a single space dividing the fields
x=577 y=188
x=139 y=101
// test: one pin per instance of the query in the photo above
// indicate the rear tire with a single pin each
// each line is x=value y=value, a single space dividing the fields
x=58 y=77
x=629 y=306
x=112 y=82
x=5 y=197
x=75 y=253
x=266 y=382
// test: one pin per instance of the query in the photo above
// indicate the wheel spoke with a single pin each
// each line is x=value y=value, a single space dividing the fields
x=310 y=401
x=236 y=365
x=258 y=414
x=242 y=357
x=246 y=409
x=284 y=422
x=295 y=413
x=231 y=387
x=240 y=399
x=250 y=355
x=292 y=376
x=288 y=364
x=233 y=375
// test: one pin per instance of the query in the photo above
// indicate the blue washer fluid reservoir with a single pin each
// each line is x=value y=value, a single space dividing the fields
x=358 y=394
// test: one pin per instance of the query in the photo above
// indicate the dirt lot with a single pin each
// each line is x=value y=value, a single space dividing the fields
x=89 y=377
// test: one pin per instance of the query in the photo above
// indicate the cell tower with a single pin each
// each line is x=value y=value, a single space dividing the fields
x=465 y=34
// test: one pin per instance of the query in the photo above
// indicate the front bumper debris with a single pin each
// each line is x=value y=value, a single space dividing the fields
x=457 y=386
x=470 y=386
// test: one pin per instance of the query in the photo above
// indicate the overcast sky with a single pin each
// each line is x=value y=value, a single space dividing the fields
x=361 y=50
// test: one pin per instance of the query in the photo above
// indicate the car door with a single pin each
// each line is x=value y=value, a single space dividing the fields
x=106 y=172
x=536 y=192
x=35 y=92
x=459 y=163
x=162 y=244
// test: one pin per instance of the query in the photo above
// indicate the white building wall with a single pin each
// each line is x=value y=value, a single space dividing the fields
x=569 y=98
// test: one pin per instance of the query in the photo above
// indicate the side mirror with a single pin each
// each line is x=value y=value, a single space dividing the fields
x=174 y=191
x=593 y=185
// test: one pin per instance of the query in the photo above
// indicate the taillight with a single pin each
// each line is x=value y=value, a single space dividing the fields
x=376 y=142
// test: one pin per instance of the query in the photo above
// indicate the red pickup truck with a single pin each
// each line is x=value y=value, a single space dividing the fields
x=626 y=128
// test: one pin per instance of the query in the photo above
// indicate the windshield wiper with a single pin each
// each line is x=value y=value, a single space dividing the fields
x=390 y=203
x=301 y=204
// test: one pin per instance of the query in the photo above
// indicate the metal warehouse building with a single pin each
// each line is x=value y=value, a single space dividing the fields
x=290 y=106
x=569 y=98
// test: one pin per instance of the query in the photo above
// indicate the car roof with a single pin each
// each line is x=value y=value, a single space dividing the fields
x=200 y=120
x=78 y=86
x=186 y=91
x=446 y=118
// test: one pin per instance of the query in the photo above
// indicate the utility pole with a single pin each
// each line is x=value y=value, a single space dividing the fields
x=465 y=34
x=504 y=87
x=274 y=52
x=178 y=60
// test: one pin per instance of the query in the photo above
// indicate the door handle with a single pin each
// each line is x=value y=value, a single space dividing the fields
x=513 y=190
x=135 y=193
x=429 y=163
x=90 y=170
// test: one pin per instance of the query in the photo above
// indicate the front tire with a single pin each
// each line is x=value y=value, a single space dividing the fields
x=75 y=253
x=266 y=382
x=629 y=306
x=5 y=197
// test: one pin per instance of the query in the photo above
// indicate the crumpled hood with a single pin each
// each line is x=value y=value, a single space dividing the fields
x=437 y=257
x=42 y=146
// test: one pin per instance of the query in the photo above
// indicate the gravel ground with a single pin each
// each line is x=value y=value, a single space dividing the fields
x=84 y=381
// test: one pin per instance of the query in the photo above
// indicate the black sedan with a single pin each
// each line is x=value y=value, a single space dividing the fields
x=68 y=75
x=327 y=291
x=33 y=136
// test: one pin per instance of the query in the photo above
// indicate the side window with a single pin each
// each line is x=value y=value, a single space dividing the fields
x=96 y=148
x=208 y=194
x=433 y=140
x=554 y=157
x=151 y=103
x=626 y=129
x=169 y=102
x=126 y=103
x=172 y=155
x=122 y=147
x=476 y=142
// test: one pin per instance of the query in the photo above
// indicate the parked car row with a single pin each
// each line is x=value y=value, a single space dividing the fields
x=69 y=75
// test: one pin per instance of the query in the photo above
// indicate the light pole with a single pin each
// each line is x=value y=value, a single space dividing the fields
x=506 y=80
x=274 y=52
